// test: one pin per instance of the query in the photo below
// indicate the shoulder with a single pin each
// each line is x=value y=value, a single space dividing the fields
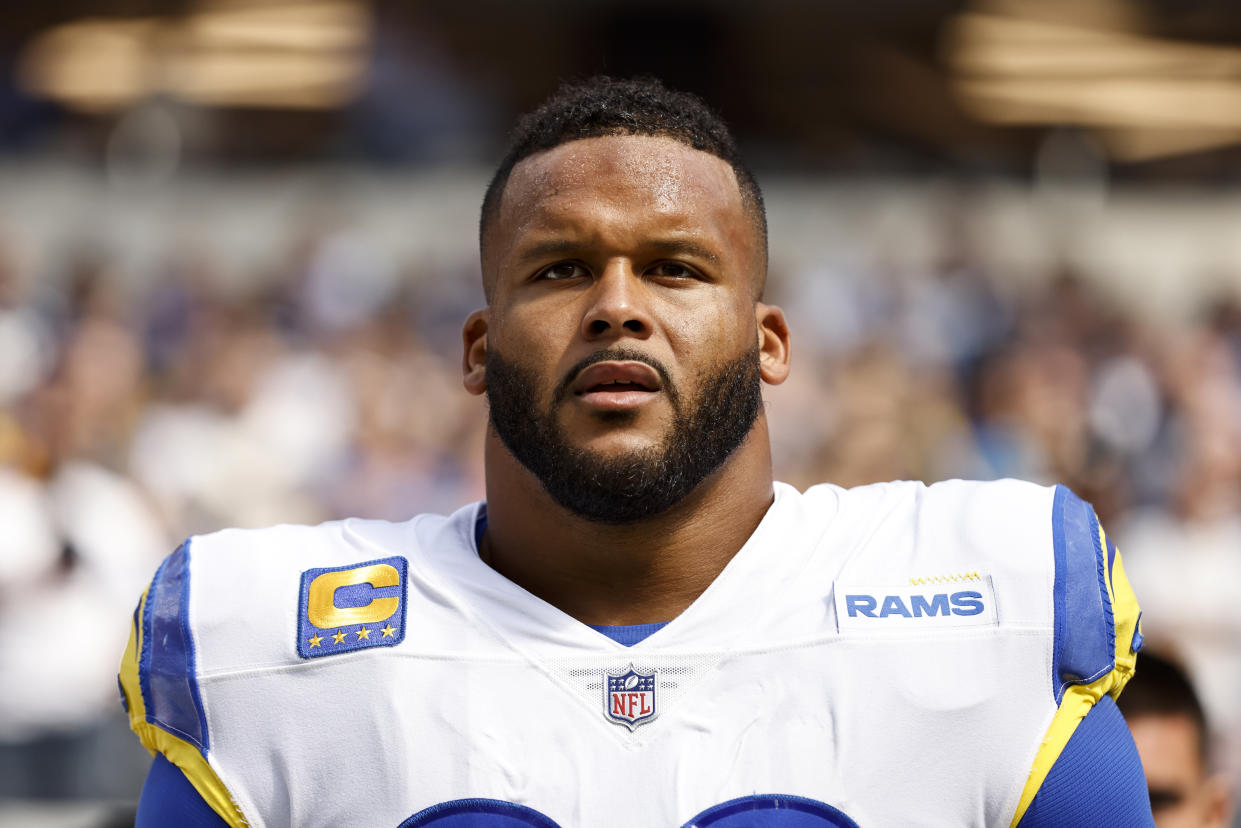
x=1097 y=633
x=222 y=601
x=237 y=601
x=1010 y=522
x=232 y=588
x=291 y=545
x=976 y=553
x=237 y=593
x=1096 y=636
x=239 y=568
x=1032 y=557
x=964 y=504
x=913 y=530
x=1040 y=549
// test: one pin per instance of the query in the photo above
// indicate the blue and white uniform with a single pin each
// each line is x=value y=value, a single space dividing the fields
x=894 y=654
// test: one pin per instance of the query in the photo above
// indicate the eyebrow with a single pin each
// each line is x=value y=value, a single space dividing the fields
x=663 y=247
x=684 y=247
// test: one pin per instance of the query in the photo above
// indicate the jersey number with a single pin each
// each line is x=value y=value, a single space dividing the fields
x=763 y=811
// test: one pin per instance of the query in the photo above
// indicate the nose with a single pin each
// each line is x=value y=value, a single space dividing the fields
x=617 y=305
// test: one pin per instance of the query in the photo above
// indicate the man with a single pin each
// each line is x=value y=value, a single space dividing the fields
x=638 y=627
x=1170 y=729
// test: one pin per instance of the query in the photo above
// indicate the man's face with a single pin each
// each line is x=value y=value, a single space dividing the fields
x=622 y=362
x=1182 y=794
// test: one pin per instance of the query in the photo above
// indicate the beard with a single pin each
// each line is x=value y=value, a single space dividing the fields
x=637 y=485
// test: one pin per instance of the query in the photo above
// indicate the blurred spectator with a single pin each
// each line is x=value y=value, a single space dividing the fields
x=1183 y=554
x=25 y=340
x=1172 y=736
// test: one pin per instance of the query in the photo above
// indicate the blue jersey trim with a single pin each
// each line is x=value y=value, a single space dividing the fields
x=167 y=666
x=629 y=634
x=820 y=813
x=1096 y=780
x=144 y=656
x=458 y=813
x=1058 y=589
x=1083 y=647
x=480 y=527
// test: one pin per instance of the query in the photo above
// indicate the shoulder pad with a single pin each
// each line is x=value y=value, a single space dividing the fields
x=1097 y=629
x=167 y=679
x=159 y=683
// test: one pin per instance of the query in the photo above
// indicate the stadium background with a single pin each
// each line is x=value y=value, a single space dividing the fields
x=237 y=240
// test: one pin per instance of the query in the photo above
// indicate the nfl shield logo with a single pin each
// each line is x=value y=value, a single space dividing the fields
x=629 y=698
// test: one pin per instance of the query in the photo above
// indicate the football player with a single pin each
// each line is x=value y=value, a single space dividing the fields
x=638 y=626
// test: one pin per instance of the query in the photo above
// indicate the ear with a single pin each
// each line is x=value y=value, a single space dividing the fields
x=474 y=359
x=1218 y=807
x=773 y=343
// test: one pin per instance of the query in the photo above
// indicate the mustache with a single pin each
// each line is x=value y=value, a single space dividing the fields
x=615 y=355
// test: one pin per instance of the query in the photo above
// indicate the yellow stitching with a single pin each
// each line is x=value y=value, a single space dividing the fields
x=956 y=577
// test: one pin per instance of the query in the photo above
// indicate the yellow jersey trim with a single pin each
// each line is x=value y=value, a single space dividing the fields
x=157 y=740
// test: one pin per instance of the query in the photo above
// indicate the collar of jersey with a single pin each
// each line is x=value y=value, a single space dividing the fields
x=722 y=617
x=623 y=634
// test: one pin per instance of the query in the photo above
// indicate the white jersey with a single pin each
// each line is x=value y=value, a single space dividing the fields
x=895 y=654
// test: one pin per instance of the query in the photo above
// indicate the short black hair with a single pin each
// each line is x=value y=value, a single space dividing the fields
x=1161 y=687
x=601 y=106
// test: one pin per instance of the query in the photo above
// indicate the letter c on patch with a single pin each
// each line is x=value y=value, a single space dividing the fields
x=321 y=606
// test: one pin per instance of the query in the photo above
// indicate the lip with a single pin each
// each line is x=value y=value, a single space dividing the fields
x=617 y=385
x=628 y=372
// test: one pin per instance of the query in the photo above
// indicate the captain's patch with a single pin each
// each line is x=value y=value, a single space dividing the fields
x=966 y=603
x=352 y=607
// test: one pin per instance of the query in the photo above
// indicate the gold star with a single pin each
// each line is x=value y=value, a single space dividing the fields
x=316 y=640
x=339 y=638
x=364 y=633
x=388 y=632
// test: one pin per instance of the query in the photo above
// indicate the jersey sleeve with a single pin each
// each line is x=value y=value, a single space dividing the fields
x=159 y=683
x=1096 y=634
x=168 y=798
x=1096 y=780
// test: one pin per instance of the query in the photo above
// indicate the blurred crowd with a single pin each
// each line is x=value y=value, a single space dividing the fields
x=134 y=413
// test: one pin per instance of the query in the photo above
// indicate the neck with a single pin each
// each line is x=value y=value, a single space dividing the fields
x=635 y=573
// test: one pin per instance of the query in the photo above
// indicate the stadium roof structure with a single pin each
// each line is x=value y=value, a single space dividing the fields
x=1152 y=89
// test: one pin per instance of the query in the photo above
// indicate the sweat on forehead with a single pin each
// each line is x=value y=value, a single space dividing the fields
x=623 y=175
